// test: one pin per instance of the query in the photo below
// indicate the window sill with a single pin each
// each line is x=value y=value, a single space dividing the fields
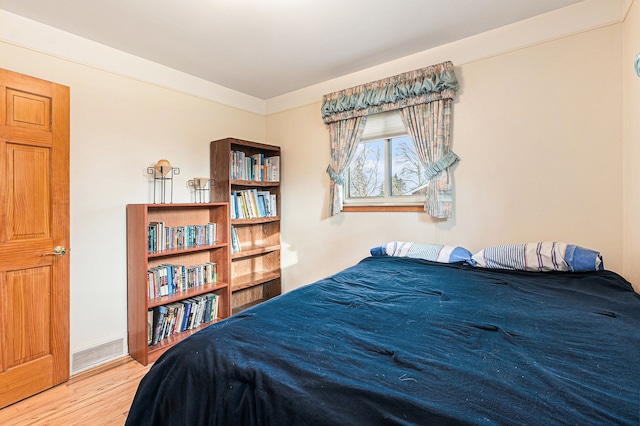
x=382 y=208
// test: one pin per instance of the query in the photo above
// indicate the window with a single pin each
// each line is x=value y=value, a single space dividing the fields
x=385 y=170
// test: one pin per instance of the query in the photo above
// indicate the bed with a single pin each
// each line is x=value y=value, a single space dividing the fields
x=397 y=340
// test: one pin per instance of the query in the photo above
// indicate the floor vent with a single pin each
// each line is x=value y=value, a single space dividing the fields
x=96 y=355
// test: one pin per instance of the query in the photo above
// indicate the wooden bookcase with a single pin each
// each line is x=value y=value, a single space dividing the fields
x=255 y=269
x=140 y=260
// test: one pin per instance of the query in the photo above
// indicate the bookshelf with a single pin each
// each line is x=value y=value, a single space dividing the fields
x=142 y=257
x=255 y=263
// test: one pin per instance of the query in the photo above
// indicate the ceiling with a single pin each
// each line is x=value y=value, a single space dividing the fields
x=266 y=48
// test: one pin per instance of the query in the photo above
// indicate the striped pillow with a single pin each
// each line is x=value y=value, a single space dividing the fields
x=539 y=257
x=433 y=252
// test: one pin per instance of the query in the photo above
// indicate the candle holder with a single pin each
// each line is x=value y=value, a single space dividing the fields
x=163 y=173
x=200 y=186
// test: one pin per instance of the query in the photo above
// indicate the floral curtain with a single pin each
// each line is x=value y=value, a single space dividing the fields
x=433 y=85
x=411 y=88
x=429 y=125
x=344 y=136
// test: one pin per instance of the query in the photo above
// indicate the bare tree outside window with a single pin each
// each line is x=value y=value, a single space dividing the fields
x=365 y=171
x=408 y=171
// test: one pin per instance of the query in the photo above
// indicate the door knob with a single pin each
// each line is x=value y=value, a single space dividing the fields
x=57 y=251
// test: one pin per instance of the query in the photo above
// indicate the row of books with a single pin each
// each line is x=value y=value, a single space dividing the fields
x=161 y=237
x=167 y=279
x=166 y=320
x=254 y=167
x=252 y=204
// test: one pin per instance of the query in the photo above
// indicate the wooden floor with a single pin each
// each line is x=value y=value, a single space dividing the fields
x=97 y=397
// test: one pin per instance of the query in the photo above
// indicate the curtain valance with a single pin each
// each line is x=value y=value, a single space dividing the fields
x=416 y=87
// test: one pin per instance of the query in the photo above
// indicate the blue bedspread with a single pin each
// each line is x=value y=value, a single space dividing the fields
x=407 y=341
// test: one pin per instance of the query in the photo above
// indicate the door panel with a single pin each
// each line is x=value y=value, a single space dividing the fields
x=34 y=210
x=29 y=309
x=28 y=110
x=29 y=168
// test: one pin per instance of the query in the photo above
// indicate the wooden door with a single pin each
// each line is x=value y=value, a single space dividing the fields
x=34 y=220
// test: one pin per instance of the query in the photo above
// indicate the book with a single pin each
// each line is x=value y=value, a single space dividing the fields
x=149 y=326
x=192 y=313
x=244 y=205
x=156 y=241
x=213 y=309
x=159 y=317
x=177 y=328
x=233 y=205
x=216 y=301
x=272 y=205
x=253 y=203
x=211 y=233
x=235 y=242
x=197 y=316
x=187 y=312
x=163 y=281
x=151 y=285
x=208 y=307
x=273 y=168
x=169 y=320
x=165 y=324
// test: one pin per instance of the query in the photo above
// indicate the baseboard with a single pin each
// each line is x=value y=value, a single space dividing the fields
x=96 y=355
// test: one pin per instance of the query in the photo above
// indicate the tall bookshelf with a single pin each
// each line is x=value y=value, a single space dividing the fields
x=143 y=256
x=255 y=261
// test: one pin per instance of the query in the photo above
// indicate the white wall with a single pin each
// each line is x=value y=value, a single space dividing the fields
x=540 y=138
x=631 y=147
